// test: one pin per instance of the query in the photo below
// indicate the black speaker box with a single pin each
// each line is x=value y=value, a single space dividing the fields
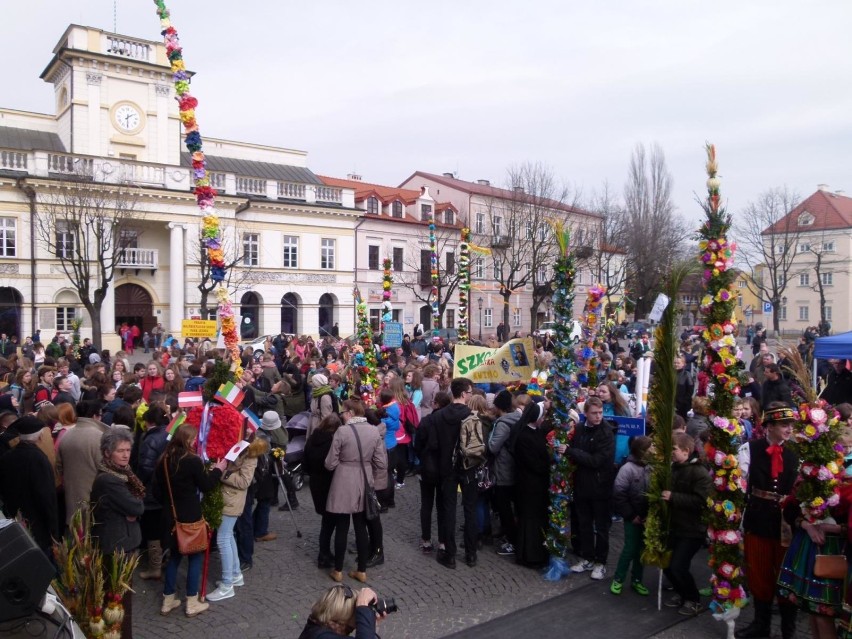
x=25 y=573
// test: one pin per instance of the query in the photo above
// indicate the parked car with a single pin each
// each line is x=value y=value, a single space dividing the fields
x=258 y=345
x=549 y=328
x=632 y=329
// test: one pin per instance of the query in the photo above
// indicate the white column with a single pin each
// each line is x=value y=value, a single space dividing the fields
x=176 y=278
x=108 y=310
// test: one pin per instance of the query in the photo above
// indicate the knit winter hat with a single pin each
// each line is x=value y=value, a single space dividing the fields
x=503 y=401
x=319 y=380
x=270 y=421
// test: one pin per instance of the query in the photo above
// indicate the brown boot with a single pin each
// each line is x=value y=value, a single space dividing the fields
x=194 y=606
x=336 y=575
x=358 y=576
x=155 y=562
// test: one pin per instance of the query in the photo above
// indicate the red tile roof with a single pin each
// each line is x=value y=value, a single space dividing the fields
x=493 y=191
x=831 y=211
x=363 y=190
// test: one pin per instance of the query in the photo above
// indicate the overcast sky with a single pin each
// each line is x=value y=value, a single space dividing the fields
x=384 y=88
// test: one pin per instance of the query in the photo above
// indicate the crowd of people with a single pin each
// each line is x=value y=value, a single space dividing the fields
x=85 y=429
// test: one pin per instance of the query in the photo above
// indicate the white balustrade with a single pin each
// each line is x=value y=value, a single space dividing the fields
x=291 y=190
x=13 y=160
x=137 y=173
x=252 y=186
x=128 y=48
x=69 y=164
x=138 y=258
x=217 y=180
x=329 y=194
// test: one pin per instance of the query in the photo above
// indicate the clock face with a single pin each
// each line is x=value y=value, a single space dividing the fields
x=127 y=118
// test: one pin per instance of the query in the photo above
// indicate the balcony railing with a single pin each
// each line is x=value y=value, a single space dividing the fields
x=251 y=186
x=145 y=174
x=128 y=48
x=291 y=190
x=138 y=258
x=69 y=165
x=13 y=160
x=329 y=194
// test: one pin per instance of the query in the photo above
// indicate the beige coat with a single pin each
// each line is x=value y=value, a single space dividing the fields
x=347 y=485
x=319 y=411
x=237 y=478
x=77 y=460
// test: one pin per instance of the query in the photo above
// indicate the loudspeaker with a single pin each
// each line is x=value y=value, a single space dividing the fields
x=25 y=573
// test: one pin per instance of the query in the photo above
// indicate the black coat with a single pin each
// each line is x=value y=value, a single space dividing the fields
x=316 y=450
x=593 y=451
x=777 y=391
x=447 y=425
x=683 y=393
x=691 y=485
x=365 y=627
x=426 y=447
x=763 y=516
x=187 y=476
x=838 y=387
x=112 y=504
x=151 y=448
x=532 y=481
x=27 y=485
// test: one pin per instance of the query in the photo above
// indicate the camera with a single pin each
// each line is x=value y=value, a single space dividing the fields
x=384 y=606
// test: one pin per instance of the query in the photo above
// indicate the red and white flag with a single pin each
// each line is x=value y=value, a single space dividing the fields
x=190 y=399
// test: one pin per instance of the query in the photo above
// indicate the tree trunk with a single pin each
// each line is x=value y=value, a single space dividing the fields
x=506 y=323
x=95 y=315
x=776 y=319
x=203 y=311
x=533 y=317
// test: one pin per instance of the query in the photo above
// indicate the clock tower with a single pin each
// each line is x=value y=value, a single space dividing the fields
x=114 y=96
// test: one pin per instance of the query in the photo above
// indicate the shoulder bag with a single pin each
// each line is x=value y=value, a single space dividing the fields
x=192 y=537
x=830 y=567
x=371 y=501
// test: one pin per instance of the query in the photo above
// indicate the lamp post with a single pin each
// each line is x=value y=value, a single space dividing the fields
x=479 y=301
x=549 y=309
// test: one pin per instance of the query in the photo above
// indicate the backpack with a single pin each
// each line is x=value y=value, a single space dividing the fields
x=470 y=449
x=409 y=418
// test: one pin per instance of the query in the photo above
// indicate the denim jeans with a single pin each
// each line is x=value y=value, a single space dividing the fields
x=228 y=549
x=245 y=530
x=261 y=518
x=193 y=573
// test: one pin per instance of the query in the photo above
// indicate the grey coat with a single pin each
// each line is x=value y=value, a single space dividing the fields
x=347 y=486
x=77 y=460
x=504 y=460
x=113 y=503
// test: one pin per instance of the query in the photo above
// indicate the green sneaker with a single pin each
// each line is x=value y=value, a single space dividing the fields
x=640 y=588
x=616 y=587
x=706 y=592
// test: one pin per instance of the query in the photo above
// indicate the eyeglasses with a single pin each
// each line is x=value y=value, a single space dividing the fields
x=347 y=591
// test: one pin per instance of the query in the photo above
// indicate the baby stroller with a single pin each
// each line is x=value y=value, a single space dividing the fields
x=297 y=431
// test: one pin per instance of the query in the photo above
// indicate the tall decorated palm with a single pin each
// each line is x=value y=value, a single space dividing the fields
x=564 y=394
x=722 y=364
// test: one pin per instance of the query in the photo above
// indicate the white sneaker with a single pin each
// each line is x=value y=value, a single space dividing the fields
x=598 y=571
x=239 y=581
x=582 y=566
x=400 y=486
x=222 y=592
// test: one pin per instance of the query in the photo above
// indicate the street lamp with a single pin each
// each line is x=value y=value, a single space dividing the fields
x=549 y=308
x=479 y=301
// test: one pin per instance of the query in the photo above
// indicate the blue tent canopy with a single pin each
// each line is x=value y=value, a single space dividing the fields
x=834 y=346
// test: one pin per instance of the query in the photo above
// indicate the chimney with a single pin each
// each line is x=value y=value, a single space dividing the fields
x=424 y=192
x=449 y=175
x=822 y=187
x=354 y=177
x=483 y=182
x=840 y=192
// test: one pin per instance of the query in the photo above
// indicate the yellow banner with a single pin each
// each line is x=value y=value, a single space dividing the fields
x=198 y=328
x=512 y=362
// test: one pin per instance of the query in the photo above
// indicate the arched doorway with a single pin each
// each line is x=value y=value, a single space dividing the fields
x=134 y=306
x=290 y=313
x=326 y=314
x=250 y=315
x=11 y=302
x=426 y=317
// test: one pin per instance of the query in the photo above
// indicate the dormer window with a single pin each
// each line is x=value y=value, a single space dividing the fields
x=805 y=219
x=373 y=205
x=449 y=216
x=396 y=209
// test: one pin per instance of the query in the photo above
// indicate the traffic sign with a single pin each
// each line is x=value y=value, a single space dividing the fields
x=767 y=307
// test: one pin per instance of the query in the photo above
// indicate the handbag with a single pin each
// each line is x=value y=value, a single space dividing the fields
x=371 y=500
x=191 y=537
x=830 y=567
x=484 y=477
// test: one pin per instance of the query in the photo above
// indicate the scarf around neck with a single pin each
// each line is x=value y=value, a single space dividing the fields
x=322 y=390
x=134 y=485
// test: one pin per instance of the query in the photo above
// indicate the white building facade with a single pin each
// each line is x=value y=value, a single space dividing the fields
x=116 y=122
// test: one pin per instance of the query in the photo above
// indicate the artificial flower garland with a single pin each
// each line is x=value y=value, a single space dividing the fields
x=721 y=364
x=815 y=441
x=364 y=354
x=587 y=355
x=433 y=294
x=464 y=286
x=205 y=194
x=563 y=395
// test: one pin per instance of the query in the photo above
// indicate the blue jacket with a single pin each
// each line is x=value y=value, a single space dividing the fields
x=194 y=384
x=153 y=444
x=391 y=421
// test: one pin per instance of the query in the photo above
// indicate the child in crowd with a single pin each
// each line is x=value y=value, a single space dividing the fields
x=630 y=502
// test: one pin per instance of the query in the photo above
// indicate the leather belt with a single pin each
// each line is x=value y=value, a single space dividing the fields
x=766 y=494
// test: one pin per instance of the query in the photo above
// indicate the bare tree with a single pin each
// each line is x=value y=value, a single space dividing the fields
x=416 y=274
x=655 y=234
x=768 y=238
x=818 y=251
x=86 y=226
x=608 y=263
x=234 y=249
x=523 y=249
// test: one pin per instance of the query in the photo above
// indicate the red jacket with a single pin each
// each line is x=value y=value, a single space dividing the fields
x=149 y=384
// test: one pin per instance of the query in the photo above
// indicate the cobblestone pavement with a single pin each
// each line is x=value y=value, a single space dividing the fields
x=284 y=582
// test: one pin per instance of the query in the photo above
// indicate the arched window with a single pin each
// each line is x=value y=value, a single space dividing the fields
x=373 y=205
x=396 y=209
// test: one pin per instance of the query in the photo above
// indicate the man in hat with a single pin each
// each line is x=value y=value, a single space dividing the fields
x=27 y=484
x=770 y=468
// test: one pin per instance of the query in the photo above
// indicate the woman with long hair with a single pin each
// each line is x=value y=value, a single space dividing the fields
x=316 y=450
x=23 y=391
x=614 y=405
x=355 y=452
x=403 y=437
x=389 y=412
x=179 y=477
x=173 y=383
x=153 y=379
